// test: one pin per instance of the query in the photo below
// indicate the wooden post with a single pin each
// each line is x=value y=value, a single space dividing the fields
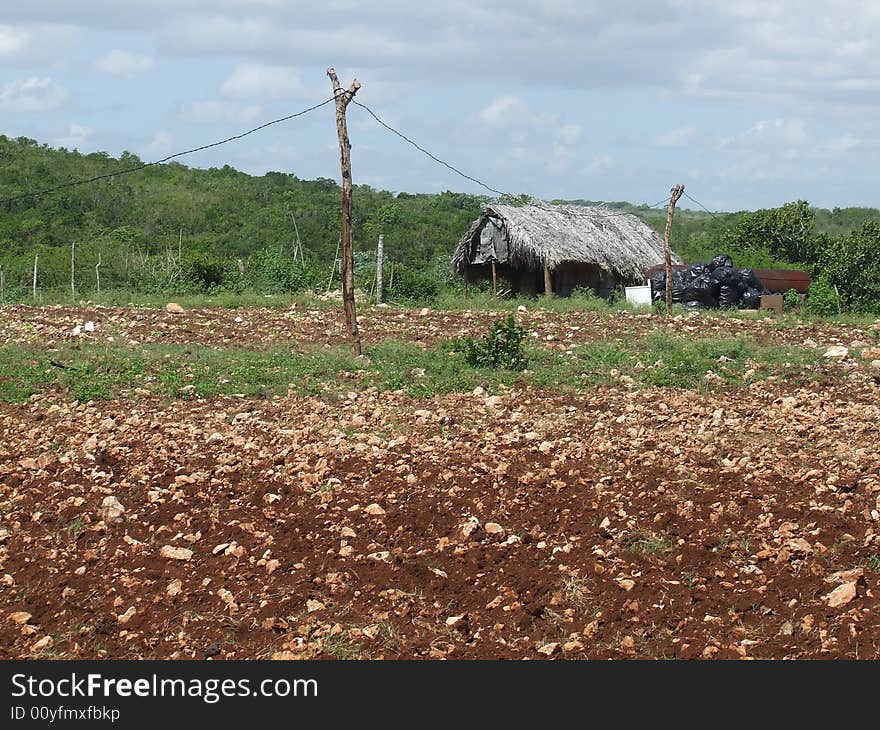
x=36 y=261
x=298 y=245
x=2 y=286
x=343 y=97
x=333 y=265
x=674 y=195
x=72 y=270
x=380 y=253
x=98 y=273
x=391 y=278
x=548 y=282
x=494 y=280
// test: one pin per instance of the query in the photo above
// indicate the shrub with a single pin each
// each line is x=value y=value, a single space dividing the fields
x=791 y=299
x=822 y=299
x=412 y=286
x=500 y=348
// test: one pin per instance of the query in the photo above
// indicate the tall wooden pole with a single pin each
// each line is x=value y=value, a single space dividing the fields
x=98 y=273
x=674 y=195
x=380 y=254
x=494 y=280
x=343 y=97
x=36 y=264
x=2 y=286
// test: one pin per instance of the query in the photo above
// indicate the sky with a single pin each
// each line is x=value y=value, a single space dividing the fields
x=749 y=104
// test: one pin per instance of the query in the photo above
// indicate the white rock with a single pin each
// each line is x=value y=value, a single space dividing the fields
x=374 y=509
x=90 y=326
x=841 y=595
x=124 y=618
x=174 y=308
x=175 y=553
x=493 y=528
x=112 y=510
x=836 y=351
x=521 y=308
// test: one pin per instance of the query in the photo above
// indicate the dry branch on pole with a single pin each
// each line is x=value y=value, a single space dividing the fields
x=343 y=97
x=674 y=195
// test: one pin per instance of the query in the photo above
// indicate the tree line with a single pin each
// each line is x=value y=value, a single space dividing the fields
x=176 y=229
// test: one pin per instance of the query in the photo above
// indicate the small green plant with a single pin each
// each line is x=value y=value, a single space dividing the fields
x=822 y=298
x=500 y=348
x=872 y=562
x=791 y=299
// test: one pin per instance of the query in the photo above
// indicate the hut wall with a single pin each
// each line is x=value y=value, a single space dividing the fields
x=573 y=274
x=566 y=278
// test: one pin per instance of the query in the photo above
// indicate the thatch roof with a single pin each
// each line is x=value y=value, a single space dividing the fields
x=552 y=234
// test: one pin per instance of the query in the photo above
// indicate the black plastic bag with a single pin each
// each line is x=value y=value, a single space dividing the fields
x=726 y=275
x=699 y=269
x=658 y=286
x=694 y=306
x=751 y=281
x=751 y=298
x=703 y=289
x=681 y=280
x=728 y=296
x=721 y=259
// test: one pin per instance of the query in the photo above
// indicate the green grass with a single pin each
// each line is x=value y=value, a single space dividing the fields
x=99 y=372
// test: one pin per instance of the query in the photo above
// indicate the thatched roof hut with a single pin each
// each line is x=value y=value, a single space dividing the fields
x=565 y=246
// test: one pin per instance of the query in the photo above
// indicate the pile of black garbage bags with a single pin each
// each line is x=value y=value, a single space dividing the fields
x=712 y=285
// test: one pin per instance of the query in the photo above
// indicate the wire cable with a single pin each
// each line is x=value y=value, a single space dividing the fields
x=538 y=203
x=694 y=200
x=164 y=159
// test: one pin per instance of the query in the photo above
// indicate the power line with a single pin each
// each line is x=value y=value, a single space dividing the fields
x=534 y=201
x=694 y=200
x=164 y=159
x=433 y=157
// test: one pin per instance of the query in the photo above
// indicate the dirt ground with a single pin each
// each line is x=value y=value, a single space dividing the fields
x=615 y=523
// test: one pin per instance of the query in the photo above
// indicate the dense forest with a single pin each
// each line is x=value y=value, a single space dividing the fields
x=173 y=228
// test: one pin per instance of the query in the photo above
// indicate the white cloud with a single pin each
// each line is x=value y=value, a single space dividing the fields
x=600 y=164
x=838 y=146
x=35 y=94
x=159 y=145
x=569 y=134
x=124 y=63
x=511 y=111
x=40 y=44
x=12 y=41
x=218 y=112
x=785 y=132
x=76 y=137
x=676 y=137
x=260 y=81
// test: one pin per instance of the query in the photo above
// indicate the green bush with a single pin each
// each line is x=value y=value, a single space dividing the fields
x=412 y=286
x=500 y=348
x=822 y=299
x=791 y=299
